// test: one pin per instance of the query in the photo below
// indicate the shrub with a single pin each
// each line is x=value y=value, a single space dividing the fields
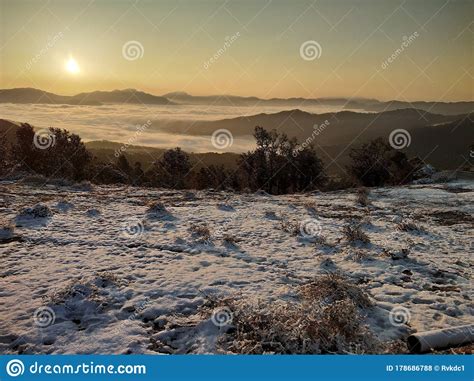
x=325 y=320
x=38 y=211
x=171 y=171
x=408 y=226
x=354 y=233
x=277 y=166
x=201 y=231
x=376 y=164
x=363 y=196
x=64 y=156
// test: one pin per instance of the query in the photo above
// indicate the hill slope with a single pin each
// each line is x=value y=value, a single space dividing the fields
x=138 y=281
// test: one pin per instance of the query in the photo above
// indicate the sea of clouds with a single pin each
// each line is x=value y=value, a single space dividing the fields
x=119 y=123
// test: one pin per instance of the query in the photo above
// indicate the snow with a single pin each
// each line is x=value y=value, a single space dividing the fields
x=114 y=264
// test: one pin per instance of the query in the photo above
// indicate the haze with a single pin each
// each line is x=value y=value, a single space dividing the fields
x=75 y=46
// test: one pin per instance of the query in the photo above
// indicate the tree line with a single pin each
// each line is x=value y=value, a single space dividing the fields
x=277 y=165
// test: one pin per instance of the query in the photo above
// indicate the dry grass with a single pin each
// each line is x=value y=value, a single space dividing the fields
x=87 y=289
x=201 y=231
x=334 y=287
x=354 y=233
x=289 y=226
x=359 y=256
x=409 y=226
x=230 y=239
x=326 y=320
x=310 y=207
x=156 y=208
x=363 y=197
x=38 y=211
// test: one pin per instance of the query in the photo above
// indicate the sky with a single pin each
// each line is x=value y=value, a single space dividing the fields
x=384 y=49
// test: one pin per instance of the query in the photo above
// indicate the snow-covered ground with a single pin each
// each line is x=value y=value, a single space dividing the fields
x=104 y=273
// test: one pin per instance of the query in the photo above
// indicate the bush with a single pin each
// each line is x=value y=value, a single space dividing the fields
x=376 y=164
x=62 y=155
x=171 y=171
x=325 y=320
x=277 y=165
x=354 y=233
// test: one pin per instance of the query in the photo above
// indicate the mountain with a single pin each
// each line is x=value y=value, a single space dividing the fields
x=362 y=104
x=233 y=100
x=122 y=96
x=340 y=126
x=445 y=108
x=133 y=96
x=95 y=98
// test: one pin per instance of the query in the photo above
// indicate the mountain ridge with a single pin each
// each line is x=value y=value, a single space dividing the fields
x=134 y=96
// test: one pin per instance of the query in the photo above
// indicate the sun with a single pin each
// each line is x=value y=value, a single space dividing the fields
x=72 y=66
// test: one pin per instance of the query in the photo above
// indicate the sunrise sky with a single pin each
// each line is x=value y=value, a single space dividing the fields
x=69 y=47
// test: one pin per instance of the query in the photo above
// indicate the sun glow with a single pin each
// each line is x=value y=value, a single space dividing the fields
x=72 y=66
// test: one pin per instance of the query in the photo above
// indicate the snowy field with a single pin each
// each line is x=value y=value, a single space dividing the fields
x=116 y=269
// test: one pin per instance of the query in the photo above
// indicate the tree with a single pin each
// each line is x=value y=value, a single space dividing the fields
x=4 y=156
x=171 y=170
x=67 y=156
x=376 y=163
x=25 y=153
x=123 y=165
x=216 y=177
x=137 y=174
x=55 y=153
x=276 y=166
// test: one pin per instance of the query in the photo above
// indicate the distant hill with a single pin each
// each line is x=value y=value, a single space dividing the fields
x=342 y=127
x=104 y=150
x=132 y=96
x=445 y=108
x=365 y=104
x=128 y=96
